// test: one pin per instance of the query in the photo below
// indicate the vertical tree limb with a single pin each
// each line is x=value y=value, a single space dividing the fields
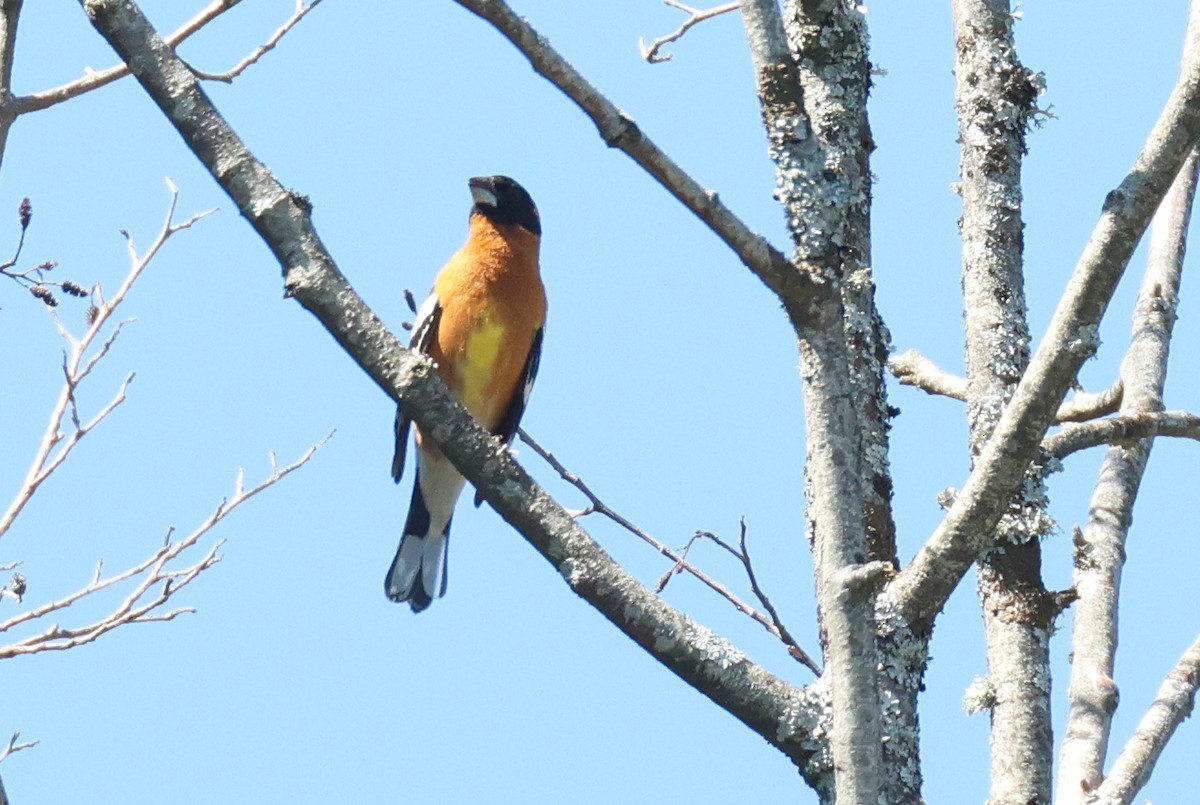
x=10 y=14
x=995 y=97
x=814 y=197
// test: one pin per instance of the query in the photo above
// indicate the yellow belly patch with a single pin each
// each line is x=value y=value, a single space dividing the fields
x=478 y=370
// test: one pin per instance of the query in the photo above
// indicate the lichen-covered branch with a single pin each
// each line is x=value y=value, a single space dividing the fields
x=782 y=714
x=814 y=188
x=1100 y=548
x=923 y=587
x=995 y=97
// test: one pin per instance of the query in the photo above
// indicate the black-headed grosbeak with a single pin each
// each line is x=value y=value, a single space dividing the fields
x=482 y=325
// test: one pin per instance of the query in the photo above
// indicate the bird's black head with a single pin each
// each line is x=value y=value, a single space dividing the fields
x=503 y=201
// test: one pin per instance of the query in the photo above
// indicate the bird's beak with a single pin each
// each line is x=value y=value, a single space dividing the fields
x=483 y=191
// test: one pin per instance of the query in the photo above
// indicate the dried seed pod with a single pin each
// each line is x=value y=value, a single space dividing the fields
x=26 y=212
x=43 y=293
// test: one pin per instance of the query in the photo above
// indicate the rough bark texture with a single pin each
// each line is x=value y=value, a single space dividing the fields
x=995 y=98
x=830 y=45
x=10 y=14
x=816 y=186
x=922 y=588
x=785 y=716
x=1100 y=547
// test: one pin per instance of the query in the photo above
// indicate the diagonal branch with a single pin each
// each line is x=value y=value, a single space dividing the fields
x=924 y=586
x=781 y=713
x=78 y=363
x=156 y=579
x=227 y=77
x=1100 y=548
x=618 y=130
x=94 y=80
x=1174 y=702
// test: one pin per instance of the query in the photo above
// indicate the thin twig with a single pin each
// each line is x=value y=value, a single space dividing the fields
x=16 y=745
x=55 y=447
x=227 y=77
x=94 y=80
x=157 y=581
x=651 y=53
x=597 y=506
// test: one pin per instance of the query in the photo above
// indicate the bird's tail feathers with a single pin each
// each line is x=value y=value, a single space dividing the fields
x=418 y=573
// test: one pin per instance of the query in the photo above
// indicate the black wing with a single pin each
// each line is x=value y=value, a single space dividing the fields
x=424 y=332
x=507 y=428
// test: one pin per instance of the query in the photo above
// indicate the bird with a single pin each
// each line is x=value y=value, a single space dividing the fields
x=483 y=327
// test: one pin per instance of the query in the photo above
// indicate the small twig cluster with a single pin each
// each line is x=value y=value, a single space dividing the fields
x=772 y=624
x=34 y=279
x=653 y=52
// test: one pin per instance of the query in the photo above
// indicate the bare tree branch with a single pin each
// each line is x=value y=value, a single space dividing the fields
x=620 y=131
x=651 y=53
x=597 y=506
x=1174 y=702
x=912 y=368
x=1124 y=431
x=1100 y=548
x=227 y=77
x=781 y=713
x=995 y=98
x=78 y=363
x=814 y=183
x=923 y=587
x=157 y=580
x=1084 y=406
x=15 y=744
x=94 y=80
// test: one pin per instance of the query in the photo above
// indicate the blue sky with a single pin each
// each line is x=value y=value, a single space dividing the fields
x=668 y=383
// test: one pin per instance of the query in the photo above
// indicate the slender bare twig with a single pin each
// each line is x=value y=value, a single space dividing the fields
x=227 y=77
x=15 y=744
x=597 y=506
x=1174 y=702
x=94 y=80
x=1084 y=406
x=651 y=52
x=78 y=364
x=157 y=580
